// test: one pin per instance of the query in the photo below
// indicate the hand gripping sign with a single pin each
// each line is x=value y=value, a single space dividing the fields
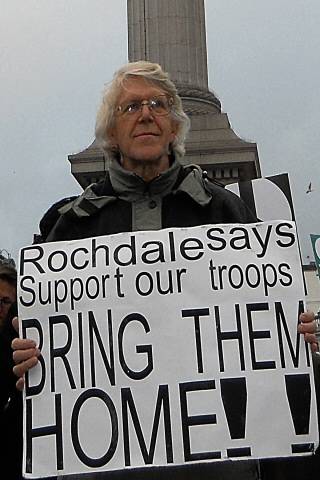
x=165 y=348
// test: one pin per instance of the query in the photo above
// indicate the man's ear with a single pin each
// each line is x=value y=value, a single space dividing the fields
x=174 y=127
x=174 y=131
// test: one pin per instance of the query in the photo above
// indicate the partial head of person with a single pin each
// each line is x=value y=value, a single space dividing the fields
x=8 y=291
x=141 y=119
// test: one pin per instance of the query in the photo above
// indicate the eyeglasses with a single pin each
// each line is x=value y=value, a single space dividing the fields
x=5 y=301
x=159 y=105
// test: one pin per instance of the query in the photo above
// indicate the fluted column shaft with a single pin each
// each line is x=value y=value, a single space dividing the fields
x=171 y=33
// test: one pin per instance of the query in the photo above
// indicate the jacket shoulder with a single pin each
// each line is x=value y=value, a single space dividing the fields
x=233 y=207
x=66 y=207
x=51 y=217
x=226 y=205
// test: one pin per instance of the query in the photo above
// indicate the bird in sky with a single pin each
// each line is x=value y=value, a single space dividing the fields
x=310 y=189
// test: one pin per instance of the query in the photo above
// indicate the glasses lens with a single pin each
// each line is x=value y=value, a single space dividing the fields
x=130 y=107
x=159 y=105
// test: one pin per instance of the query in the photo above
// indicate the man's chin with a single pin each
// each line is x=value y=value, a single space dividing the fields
x=154 y=159
x=148 y=156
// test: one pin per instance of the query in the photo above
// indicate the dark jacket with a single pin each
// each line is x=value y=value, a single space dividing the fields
x=100 y=211
x=10 y=408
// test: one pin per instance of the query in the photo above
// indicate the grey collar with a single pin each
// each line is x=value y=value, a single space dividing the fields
x=129 y=186
x=194 y=185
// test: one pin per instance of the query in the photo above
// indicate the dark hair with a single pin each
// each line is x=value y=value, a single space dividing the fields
x=9 y=275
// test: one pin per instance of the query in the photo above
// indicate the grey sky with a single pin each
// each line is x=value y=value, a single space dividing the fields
x=56 y=56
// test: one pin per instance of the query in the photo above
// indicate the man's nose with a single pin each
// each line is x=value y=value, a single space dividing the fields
x=145 y=113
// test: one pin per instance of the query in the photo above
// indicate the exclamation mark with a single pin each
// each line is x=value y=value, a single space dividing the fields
x=234 y=397
x=299 y=397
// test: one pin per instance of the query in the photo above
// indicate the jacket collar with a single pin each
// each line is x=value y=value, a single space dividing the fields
x=194 y=185
x=130 y=187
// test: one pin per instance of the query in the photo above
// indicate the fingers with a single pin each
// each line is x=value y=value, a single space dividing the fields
x=20 y=356
x=307 y=327
x=20 y=384
x=22 y=367
x=25 y=356
x=15 y=324
x=312 y=339
x=306 y=317
x=307 y=323
x=22 y=344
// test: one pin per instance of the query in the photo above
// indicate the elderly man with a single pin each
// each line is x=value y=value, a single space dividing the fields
x=141 y=125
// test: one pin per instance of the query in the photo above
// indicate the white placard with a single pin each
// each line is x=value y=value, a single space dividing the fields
x=164 y=348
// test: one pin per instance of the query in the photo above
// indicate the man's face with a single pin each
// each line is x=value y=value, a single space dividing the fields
x=7 y=298
x=142 y=137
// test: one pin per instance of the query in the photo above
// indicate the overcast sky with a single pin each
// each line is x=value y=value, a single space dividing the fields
x=264 y=65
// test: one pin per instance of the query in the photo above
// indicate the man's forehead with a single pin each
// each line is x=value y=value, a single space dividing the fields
x=139 y=88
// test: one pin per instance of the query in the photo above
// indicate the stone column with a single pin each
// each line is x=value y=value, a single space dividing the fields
x=173 y=34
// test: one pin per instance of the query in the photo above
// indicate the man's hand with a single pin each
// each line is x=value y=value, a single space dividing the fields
x=308 y=328
x=25 y=356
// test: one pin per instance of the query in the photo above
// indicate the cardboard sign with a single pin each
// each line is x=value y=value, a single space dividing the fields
x=165 y=348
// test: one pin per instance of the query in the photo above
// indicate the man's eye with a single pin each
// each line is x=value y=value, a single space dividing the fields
x=157 y=103
x=5 y=301
x=131 y=107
